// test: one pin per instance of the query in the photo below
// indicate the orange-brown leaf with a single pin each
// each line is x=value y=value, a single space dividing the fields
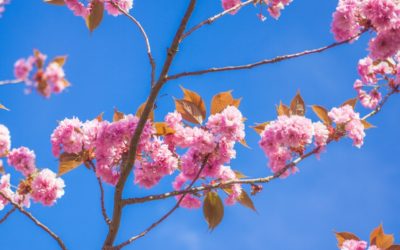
x=394 y=247
x=297 y=105
x=55 y=2
x=259 y=128
x=99 y=118
x=352 y=102
x=367 y=125
x=246 y=201
x=68 y=162
x=140 y=110
x=236 y=102
x=322 y=114
x=343 y=236
x=220 y=101
x=118 y=115
x=282 y=109
x=3 y=107
x=60 y=60
x=189 y=111
x=196 y=99
x=163 y=129
x=213 y=209
x=96 y=15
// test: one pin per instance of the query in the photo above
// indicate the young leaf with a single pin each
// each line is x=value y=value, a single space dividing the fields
x=244 y=143
x=259 y=128
x=380 y=239
x=60 y=60
x=3 y=107
x=140 y=110
x=196 y=99
x=99 y=118
x=367 y=125
x=221 y=101
x=55 y=2
x=236 y=102
x=246 y=201
x=297 y=105
x=352 y=102
x=68 y=162
x=95 y=15
x=163 y=129
x=322 y=114
x=213 y=209
x=394 y=247
x=239 y=175
x=282 y=109
x=189 y=111
x=118 y=115
x=343 y=236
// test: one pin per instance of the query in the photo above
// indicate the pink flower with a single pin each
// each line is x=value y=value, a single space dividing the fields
x=374 y=248
x=2 y=4
x=383 y=14
x=54 y=74
x=343 y=114
x=227 y=124
x=189 y=201
x=22 y=68
x=345 y=23
x=126 y=5
x=370 y=100
x=353 y=245
x=23 y=160
x=77 y=8
x=68 y=136
x=228 y=4
x=47 y=187
x=5 y=190
x=5 y=140
x=386 y=44
x=321 y=134
x=355 y=131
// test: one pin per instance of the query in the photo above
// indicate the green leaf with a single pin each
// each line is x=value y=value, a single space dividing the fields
x=213 y=209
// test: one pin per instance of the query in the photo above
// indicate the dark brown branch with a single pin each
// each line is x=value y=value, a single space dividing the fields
x=146 y=39
x=214 y=18
x=155 y=224
x=36 y=221
x=263 y=62
x=5 y=217
x=8 y=82
x=103 y=207
x=126 y=168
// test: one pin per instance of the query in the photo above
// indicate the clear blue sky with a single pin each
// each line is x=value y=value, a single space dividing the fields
x=347 y=190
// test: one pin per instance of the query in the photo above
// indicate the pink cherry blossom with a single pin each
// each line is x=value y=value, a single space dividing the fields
x=2 y=4
x=353 y=245
x=5 y=190
x=370 y=100
x=342 y=114
x=345 y=23
x=47 y=187
x=228 y=4
x=321 y=134
x=5 y=140
x=22 y=68
x=68 y=137
x=23 y=160
x=126 y=5
x=383 y=14
x=77 y=8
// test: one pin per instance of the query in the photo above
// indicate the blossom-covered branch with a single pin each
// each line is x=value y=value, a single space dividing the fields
x=35 y=220
x=263 y=62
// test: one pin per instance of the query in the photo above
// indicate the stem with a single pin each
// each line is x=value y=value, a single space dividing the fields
x=214 y=18
x=126 y=168
x=9 y=82
x=146 y=39
x=7 y=215
x=155 y=224
x=36 y=221
x=103 y=207
x=263 y=62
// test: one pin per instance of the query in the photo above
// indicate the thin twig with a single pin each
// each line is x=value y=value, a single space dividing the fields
x=263 y=62
x=214 y=18
x=102 y=204
x=36 y=221
x=146 y=39
x=267 y=179
x=8 y=82
x=7 y=215
x=127 y=166
x=164 y=217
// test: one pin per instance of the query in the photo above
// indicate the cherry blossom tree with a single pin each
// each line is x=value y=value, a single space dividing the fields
x=196 y=142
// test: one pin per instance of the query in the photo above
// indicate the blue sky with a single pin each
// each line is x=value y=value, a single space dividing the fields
x=348 y=189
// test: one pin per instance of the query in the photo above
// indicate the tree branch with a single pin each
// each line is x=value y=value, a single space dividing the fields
x=36 y=221
x=263 y=62
x=267 y=179
x=7 y=215
x=126 y=168
x=103 y=207
x=155 y=224
x=9 y=82
x=214 y=18
x=146 y=39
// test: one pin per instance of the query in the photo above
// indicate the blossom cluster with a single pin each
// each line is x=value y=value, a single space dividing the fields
x=357 y=245
x=274 y=7
x=80 y=9
x=289 y=135
x=46 y=80
x=42 y=186
x=381 y=16
x=203 y=151
x=2 y=4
